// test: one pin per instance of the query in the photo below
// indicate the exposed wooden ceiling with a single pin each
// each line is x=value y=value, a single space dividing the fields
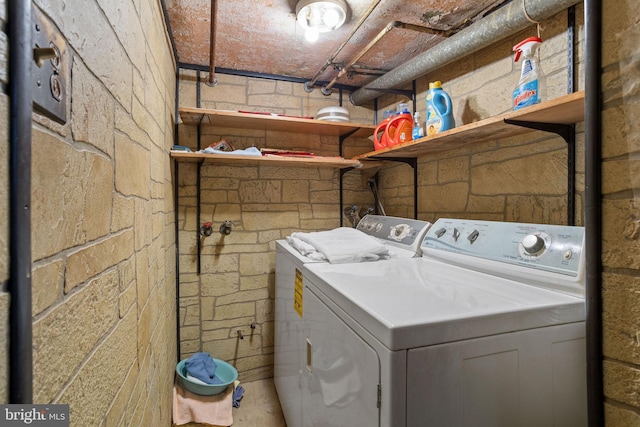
x=262 y=36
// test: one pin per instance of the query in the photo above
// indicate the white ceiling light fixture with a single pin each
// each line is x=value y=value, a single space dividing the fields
x=320 y=16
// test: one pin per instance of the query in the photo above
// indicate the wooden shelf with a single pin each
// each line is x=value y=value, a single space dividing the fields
x=268 y=160
x=568 y=109
x=232 y=119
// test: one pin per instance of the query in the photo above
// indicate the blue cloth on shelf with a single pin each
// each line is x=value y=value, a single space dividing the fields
x=202 y=367
x=237 y=396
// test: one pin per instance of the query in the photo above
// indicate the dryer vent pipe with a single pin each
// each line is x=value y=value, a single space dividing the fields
x=502 y=23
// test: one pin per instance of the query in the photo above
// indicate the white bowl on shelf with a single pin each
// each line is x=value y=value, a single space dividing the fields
x=333 y=114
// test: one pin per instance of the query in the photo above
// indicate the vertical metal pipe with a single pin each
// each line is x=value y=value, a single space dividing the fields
x=414 y=96
x=211 y=80
x=341 y=201
x=375 y=112
x=571 y=142
x=198 y=171
x=593 y=209
x=176 y=204
x=20 y=321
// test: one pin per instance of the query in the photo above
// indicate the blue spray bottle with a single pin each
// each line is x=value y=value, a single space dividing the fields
x=532 y=84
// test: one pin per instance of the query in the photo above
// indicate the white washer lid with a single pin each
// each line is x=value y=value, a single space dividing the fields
x=408 y=303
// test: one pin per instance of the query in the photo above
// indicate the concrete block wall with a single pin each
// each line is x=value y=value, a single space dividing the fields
x=103 y=247
x=235 y=287
x=522 y=178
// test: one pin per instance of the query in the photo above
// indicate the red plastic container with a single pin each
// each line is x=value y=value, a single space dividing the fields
x=399 y=129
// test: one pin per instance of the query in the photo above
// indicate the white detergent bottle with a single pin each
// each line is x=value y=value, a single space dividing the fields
x=532 y=85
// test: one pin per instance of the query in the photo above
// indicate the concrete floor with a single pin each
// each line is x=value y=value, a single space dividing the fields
x=259 y=407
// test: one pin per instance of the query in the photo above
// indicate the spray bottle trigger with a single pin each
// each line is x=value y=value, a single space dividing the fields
x=518 y=53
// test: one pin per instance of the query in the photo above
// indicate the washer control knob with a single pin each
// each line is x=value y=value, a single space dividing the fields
x=533 y=244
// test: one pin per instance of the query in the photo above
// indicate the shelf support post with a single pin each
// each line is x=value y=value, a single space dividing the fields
x=342 y=139
x=342 y=173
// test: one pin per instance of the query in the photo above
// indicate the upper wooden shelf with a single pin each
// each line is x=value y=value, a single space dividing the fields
x=568 y=109
x=268 y=160
x=232 y=119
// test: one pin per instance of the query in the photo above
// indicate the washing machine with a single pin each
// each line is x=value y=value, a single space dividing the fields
x=403 y=238
x=486 y=329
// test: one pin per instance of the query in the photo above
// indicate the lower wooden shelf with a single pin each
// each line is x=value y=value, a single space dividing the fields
x=267 y=160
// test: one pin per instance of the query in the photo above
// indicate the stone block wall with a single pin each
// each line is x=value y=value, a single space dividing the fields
x=103 y=223
x=521 y=178
x=621 y=214
x=103 y=246
x=4 y=202
x=235 y=287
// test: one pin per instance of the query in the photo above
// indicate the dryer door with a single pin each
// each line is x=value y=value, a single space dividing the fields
x=288 y=338
x=342 y=373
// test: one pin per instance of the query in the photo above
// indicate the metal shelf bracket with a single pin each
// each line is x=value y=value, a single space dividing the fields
x=565 y=131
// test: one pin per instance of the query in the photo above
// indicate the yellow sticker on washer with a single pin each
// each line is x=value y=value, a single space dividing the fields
x=297 y=293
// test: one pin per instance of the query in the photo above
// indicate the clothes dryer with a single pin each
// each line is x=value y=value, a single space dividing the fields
x=402 y=237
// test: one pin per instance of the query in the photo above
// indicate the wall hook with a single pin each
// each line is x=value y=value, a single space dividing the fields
x=240 y=334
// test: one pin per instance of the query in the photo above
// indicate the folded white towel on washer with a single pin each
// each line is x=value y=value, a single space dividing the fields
x=305 y=249
x=344 y=244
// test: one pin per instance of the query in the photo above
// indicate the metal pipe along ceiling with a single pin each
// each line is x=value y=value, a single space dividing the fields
x=309 y=85
x=390 y=26
x=504 y=22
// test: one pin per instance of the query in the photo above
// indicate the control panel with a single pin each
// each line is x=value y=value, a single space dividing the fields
x=395 y=230
x=553 y=248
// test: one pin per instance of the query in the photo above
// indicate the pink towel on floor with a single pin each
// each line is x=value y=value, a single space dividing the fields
x=190 y=407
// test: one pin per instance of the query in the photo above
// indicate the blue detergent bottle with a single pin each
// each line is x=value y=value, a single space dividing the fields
x=439 y=110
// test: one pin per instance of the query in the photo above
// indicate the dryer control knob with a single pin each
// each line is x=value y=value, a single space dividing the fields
x=533 y=244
